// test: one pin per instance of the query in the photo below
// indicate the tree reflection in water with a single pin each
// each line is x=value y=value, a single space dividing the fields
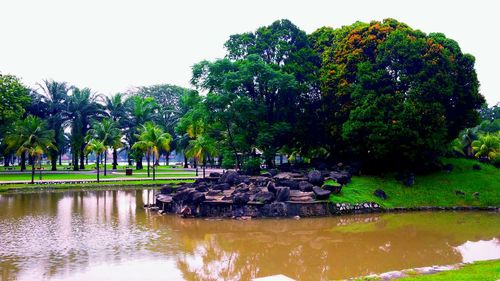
x=79 y=235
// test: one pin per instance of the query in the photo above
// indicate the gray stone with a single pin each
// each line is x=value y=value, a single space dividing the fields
x=380 y=194
x=321 y=194
x=315 y=177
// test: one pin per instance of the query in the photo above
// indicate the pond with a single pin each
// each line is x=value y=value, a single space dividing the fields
x=107 y=235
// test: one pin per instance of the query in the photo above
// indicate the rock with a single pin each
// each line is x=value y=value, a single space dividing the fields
x=221 y=186
x=380 y=194
x=296 y=217
x=164 y=198
x=340 y=177
x=167 y=190
x=290 y=183
x=197 y=197
x=264 y=197
x=270 y=187
x=410 y=180
x=185 y=211
x=183 y=195
x=241 y=199
x=214 y=175
x=459 y=193
x=475 y=194
x=214 y=193
x=476 y=167
x=272 y=172
x=448 y=167
x=335 y=189
x=321 y=194
x=230 y=177
x=277 y=209
x=201 y=188
x=282 y=194
x=305 y=186
x=315 y=177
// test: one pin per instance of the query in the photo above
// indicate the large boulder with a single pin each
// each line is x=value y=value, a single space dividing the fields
x=299 y=196
x=380 y=194
x=264 y=197
x=333 y=188
x=241 y=198
x=214 y=175
x=315 y=177
x=341 y=177
x=230 y=177
x=272 y=172
x=270 y=187
x=183 y=195
x=166 y=189
x=197 y=197
x=305 y=186
x=320 y=193
x=221 y=186
x=293 y=184
x=282 y=194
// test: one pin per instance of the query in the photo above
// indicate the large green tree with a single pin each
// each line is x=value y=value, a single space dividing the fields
x=14 y=98
x=82 y=106
x=396 y=96
x=34 y=139
x=272 y=71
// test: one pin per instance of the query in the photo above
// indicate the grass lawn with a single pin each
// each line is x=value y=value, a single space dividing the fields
x=71 y=176
x=436 y=189
x=90 y=167
x=118 y=184
x=478 y=271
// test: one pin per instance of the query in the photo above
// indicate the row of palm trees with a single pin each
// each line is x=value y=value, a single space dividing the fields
x=34 y=139
x=472 y=143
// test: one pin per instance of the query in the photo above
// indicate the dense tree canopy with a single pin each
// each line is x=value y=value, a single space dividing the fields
x=394 y=94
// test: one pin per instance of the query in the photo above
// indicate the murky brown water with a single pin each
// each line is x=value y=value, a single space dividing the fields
x=106 y=235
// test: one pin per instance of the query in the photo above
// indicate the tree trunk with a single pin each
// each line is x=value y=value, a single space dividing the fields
x=53 y=159
x=6 y=160
x=97 y=166
x=60 y=159
x=167 y=158
x=154 y=167
x=82 y=157
x=194 y=163
x=147 y=158
x=75 y=160
x=129 y=159
x=204 y=165
x=115 y=158
x=23 y=161
x=185 y=162
x=105 y=160
x=33 y=172
x=40 y=165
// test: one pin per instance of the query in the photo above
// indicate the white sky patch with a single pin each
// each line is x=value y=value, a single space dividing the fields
x=113 y=45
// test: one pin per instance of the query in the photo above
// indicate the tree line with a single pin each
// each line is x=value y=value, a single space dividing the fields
x=381 y=94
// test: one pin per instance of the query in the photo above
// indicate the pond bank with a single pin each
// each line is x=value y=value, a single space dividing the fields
x=480 y=270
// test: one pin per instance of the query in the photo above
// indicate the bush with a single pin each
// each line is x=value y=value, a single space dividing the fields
x=252 y=166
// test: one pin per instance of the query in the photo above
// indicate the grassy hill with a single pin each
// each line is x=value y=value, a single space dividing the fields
x=435 y=189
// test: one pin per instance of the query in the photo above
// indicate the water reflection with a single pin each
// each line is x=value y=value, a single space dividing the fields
x=106 y=235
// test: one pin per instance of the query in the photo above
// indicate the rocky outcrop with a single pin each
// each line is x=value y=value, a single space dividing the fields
x=274 y=194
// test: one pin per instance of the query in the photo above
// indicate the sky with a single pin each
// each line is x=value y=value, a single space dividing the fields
x=113 y=45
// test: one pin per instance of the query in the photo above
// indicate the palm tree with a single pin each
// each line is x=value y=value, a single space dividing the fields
x=116 y=109
x=151 y=140
x=201 y=148
x=108 y=133
x=140 y=111
x=82 y=106
x=34 y=139
x=486 y=146
x=97 y=147
x=54 y=96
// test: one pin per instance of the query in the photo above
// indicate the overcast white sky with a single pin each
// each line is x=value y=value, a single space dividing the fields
x=113 y=45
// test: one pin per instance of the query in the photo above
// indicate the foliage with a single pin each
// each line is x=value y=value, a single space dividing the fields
x=487 y=146
x=34 y=139
x=252 y=166
x=14 y=98
x=406 y=94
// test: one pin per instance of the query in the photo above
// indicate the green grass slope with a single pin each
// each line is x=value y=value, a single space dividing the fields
x=435 y=189
x=479 y=271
